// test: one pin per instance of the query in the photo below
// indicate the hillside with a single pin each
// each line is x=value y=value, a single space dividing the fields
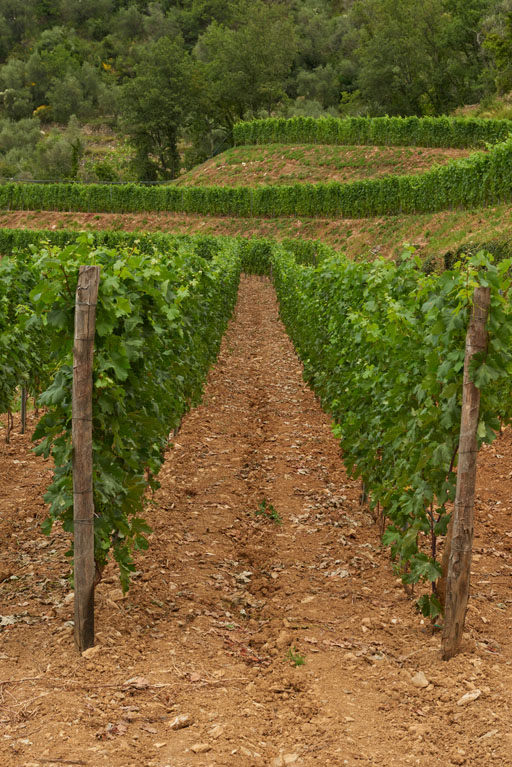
x=313 y=163
x=431 y=234
x=265 y=626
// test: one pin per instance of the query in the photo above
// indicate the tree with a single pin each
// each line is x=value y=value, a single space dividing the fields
x=417 y=58
x=154 y=106
x=497 y=28
x=247 y=64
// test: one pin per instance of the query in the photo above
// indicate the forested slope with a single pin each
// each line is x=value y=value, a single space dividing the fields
x=170 y=80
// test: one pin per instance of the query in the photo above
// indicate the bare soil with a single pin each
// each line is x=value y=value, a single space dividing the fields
x=312 y=164
x=430 y=234
x=280 y=641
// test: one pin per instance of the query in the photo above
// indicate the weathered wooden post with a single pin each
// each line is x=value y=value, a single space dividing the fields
x=83 y=504
x=459 y=563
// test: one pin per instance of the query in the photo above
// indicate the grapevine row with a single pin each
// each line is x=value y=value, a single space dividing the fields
x=376 y=131
x=383 y=348
x=160 y=319
x=483 y=178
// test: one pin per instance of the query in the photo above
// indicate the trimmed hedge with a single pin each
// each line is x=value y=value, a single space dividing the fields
x=480 y=179
x=388 y=131
x=254 y=252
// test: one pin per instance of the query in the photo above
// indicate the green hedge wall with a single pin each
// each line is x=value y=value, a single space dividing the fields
x=387 y=131
x=254 y=252
x=480 y=179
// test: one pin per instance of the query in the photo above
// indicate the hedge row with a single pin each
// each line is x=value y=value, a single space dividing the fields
x=480 y=179
x=387 y=131
x=254 y=252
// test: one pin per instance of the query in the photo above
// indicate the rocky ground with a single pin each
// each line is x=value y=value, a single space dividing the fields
x=264 y=625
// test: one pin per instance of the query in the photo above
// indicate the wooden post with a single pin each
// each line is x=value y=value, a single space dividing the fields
x=459 y=565
x=83 y=504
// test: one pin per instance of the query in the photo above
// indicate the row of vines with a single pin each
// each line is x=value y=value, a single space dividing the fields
x=160 y=320
x=382 y=346
x=254 y=251
x=483 y=178
x=377 y=131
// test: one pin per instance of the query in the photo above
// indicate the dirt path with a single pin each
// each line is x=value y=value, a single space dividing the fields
x=226 y=598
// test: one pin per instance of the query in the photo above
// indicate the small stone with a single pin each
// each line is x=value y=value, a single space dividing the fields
x=216 y=731
x=283 y=640
x=139 y=682
x=181 y=721
x=469 y=697
x=489 y=734
x=91 y=652
x=289 y=759
x=419 y=680
x=200 y=748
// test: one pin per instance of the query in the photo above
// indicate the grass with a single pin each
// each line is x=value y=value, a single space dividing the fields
x=295 y=658
x=282 y=164
x=266 y=510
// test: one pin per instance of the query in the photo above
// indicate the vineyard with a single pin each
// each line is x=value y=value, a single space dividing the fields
x=271 y=422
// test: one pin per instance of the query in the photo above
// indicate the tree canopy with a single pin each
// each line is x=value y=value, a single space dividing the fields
x=162 y=72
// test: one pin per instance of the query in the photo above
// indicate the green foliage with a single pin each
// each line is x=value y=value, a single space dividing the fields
x=295 y=657
x=24 y=353
x=418 y=58
x=247 y=64
x=255 y=253
x=383 y=347
x=153 y=107
x=376 y=131
x=481 y=179
x=160 y=319
x=266 y=510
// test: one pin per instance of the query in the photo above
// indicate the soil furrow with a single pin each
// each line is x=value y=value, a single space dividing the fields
x=265 y=610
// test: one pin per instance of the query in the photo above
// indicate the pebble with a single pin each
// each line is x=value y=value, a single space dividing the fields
x=284 y=760
x=91 y=651
x=469 y=697
x=489 y=734
x=200 y=748
x=283 y=640
x=419 y=680
x=181 y=721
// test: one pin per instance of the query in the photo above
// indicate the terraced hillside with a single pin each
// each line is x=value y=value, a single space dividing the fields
x=365 y=199
x=432 y=234
x=314 y=163
x=265 y=624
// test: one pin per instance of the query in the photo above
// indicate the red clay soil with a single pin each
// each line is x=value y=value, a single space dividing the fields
x=227 y=603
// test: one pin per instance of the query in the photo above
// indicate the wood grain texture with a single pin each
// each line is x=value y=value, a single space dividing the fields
x=459 y=565
x=83 y=503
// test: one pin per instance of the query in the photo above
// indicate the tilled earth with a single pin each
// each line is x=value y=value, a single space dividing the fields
x=264 y=625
